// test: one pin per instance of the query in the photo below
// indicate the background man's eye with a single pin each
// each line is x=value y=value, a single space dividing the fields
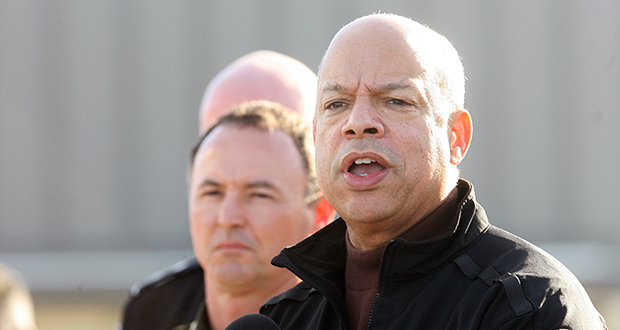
x=260 y=195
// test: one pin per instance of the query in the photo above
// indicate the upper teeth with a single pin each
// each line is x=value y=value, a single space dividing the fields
x=364 y=161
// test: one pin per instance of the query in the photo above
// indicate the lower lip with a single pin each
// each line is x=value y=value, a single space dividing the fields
x=232 y=247
x=364 y=182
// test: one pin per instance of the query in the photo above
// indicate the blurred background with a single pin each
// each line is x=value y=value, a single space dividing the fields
x=99 y=103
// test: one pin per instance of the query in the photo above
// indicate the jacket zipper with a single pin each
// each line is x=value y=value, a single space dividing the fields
x=374 y=304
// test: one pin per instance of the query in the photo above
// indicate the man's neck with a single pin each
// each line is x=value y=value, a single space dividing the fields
x=224 y=305
x=426 y=225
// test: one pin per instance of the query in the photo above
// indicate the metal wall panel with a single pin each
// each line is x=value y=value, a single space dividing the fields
x=98 y=107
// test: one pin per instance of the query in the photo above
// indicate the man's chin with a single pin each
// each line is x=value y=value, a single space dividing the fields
x=364 y=210
x=232 y=274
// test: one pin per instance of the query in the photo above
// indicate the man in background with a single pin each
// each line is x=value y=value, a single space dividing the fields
x=252 y=191
x=260 y=75
x=172 y=296
x=16 y=308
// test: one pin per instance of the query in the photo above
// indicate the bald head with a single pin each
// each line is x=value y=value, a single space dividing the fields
x=260 y=75
x=389 y=125
x=381 y=38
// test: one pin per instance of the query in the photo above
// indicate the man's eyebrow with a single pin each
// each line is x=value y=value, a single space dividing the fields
x=209 y=182
x=332 y=87
x=389 y=87
x=262 y=184
x=396 y=86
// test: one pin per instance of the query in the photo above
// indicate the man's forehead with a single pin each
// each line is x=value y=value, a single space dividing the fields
x=236 y=134
x=249 y=157
x=386 y=69
x=383 y=75
x=393 y=59
x=251 y=144
x=383 y=42
x=388 y=84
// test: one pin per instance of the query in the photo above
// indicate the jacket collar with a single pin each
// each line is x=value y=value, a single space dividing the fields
x=320 y=259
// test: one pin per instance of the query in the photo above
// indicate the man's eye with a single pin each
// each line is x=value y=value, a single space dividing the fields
x=212 y=193
x=335 y=105
x=260 y=195
x=397 y=102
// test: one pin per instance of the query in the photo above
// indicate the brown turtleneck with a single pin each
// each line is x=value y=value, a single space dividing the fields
x=362 y=269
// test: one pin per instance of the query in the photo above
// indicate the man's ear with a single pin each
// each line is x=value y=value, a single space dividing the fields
x=324 y=213
x=460 y=135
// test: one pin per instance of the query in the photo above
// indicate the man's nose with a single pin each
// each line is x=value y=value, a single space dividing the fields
x=363 y=121
x=232 y=212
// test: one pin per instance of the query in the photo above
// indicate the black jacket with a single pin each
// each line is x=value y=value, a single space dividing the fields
x=476 y=276
x=165 y=299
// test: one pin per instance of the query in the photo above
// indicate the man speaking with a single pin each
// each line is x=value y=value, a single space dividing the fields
x=413 y=250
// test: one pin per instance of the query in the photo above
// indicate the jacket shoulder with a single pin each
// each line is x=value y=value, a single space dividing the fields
x=182 y=269
x=299 y=293
x=302 y=307
x=165 y=299
x=538 y=287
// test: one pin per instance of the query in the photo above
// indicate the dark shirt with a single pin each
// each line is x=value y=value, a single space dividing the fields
x=362 y=268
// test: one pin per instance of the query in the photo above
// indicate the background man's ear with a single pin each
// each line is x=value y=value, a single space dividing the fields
x=324 y=213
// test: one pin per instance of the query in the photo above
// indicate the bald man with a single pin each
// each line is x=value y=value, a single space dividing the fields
x=260 y=75
x=172 y=296
x=413 y=249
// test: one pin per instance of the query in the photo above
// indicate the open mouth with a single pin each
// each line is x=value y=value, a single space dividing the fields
x=365 y=166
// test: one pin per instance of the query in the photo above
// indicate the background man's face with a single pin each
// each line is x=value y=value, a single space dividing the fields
x=373 y=104
x=246 y=203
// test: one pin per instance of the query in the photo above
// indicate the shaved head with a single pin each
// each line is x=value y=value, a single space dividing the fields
x=260 y=75
x=442 y=70
x=390 y=128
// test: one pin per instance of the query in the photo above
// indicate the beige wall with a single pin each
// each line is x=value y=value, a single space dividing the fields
x=98 y=104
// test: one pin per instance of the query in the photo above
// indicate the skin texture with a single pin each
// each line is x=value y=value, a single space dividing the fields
x=246 y=203
x=378 y=98
x=260 y=75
